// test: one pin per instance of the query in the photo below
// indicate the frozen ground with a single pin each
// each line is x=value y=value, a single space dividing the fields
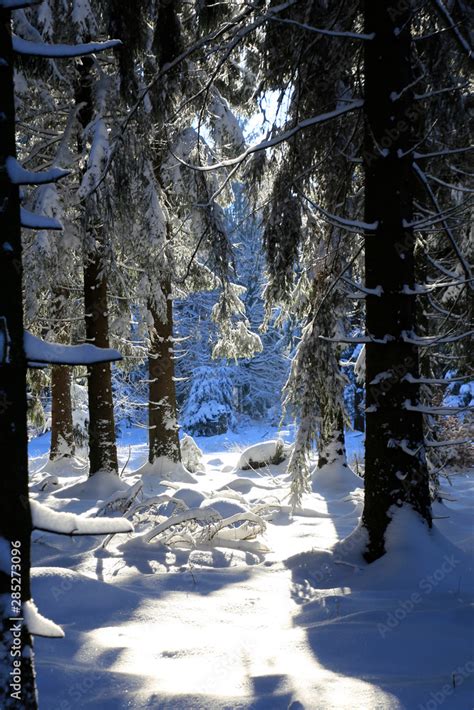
x=282 y=620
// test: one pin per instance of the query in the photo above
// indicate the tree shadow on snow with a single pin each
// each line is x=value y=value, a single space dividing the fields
x=408 y=642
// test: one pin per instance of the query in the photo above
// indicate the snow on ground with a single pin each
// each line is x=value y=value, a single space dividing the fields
x=280 y=620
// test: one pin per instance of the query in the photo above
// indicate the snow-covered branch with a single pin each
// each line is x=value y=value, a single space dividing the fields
x=48 y=520
x=281 y=138
x=434 y=340
x=424 y=409
x=377 y=291
x=349 y=224
x=60 y=51
x=40 y=352
x=321 y=31
x=445 y=15
x=18 y=4
x=448 y=231
x=31 y=220
x=20 y=176
x=441 y=153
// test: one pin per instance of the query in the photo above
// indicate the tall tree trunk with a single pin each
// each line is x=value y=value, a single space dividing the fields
x=15 y=515
x=102 y=446
x=393 y=475
x=162 y=421
x=162 y=409
x=62 y=430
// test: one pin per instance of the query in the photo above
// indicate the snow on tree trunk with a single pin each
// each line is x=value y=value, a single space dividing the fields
x=102 y=446
x=15 y=514
x=162 y=420
x=395 y=466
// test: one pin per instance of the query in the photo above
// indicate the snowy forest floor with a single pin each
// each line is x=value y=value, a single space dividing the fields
x=281 y=621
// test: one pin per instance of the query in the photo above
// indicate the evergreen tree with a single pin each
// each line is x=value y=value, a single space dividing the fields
x=353 y=147
x=17 y=682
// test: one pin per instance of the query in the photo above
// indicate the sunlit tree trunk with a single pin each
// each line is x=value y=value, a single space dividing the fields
x=163 y=427
x=102 y=444
x=62 y=431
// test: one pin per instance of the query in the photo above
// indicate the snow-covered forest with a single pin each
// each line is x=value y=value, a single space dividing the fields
x=236 y=374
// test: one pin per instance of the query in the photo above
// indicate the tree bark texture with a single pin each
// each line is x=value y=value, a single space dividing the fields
x=163 y=426
x=62 y=430
x=102 y=444
x=15 y=514
x=395 y=465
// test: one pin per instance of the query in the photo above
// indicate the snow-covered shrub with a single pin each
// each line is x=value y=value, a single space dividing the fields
x=187 y=519
x=457 y=429
x=37 y=383
x=191 y=454
x=80 y=414
x=209 y=407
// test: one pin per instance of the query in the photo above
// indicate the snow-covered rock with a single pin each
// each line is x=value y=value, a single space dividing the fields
x=258 y=455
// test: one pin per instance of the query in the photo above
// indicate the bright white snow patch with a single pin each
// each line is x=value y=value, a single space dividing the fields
x=71 y=524
x=37 y=624
x=98 y=487
x=39 y=351
x=335 y=479
x=164 y=469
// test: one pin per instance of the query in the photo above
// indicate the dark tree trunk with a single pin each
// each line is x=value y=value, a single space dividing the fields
x=163 y=427
x=359 y=420
x=393 y=476
x=15 y=515
x=162 y=409
x=62 y=430
x=102 y=446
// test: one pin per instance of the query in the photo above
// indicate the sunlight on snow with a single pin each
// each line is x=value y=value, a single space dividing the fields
x=227 y=644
